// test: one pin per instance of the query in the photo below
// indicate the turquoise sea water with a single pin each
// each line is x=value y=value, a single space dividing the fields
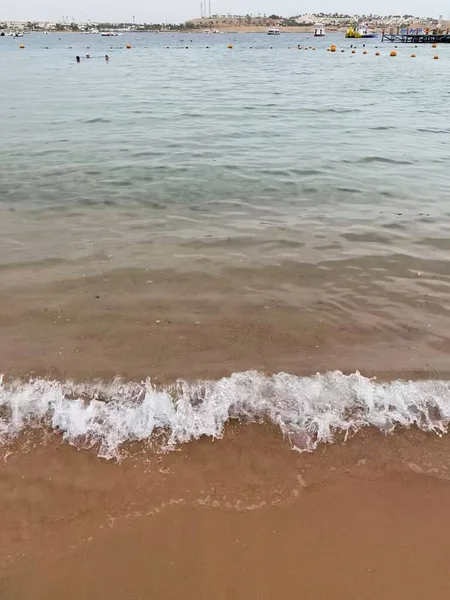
x=264 y=141
x=183 y=153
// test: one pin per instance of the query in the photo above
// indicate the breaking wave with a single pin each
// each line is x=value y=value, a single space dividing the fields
x=308 y=410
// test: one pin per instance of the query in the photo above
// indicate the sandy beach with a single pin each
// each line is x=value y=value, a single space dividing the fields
x=232 y=518
x=244 y=516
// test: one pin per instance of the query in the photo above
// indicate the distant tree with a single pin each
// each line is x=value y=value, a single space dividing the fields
x=274 y=17
x=74 y=27
x=60 y=27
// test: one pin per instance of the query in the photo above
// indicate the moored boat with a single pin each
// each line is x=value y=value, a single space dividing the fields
x=319 y=30
x=362 y=31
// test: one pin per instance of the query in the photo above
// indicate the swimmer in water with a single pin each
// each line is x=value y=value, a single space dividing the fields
x=88 y=56
x=106 y=58
x=78 y=59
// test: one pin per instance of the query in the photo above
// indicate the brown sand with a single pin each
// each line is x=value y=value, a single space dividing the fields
x=244 y=517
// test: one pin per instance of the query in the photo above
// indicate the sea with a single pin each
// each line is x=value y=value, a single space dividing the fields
x=209 y=229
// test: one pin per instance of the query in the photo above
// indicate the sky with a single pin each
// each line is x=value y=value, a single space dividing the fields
x=176 y=11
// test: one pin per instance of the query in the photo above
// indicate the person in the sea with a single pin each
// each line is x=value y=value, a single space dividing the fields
x=78 y=59
x=88 y=56
x=106 y=58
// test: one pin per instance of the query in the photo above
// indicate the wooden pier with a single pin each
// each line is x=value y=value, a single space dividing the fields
x=416 y=36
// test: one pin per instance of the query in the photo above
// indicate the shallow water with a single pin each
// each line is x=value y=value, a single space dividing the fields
x=284 y=154
x=312 y=179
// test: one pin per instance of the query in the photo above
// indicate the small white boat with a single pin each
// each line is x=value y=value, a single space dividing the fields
x=365 y=32
x=273 y=31
x=319 y=30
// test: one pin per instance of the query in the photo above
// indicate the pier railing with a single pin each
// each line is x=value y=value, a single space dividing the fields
x=416 y=36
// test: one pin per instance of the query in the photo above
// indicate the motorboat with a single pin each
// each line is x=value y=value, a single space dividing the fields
x=362 y=31
x=273 y=31
x=319 y=30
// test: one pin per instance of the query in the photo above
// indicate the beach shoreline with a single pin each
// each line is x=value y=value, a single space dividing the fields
x=240 y=516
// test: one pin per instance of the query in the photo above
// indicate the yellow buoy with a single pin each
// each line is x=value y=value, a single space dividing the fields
x=435 y=57
x=22 y=46
x=434 y=46
x=377 y=54
x=393 y=53
x=128 y=46
x=230 y=46
x=413 y=56
x=332 y=48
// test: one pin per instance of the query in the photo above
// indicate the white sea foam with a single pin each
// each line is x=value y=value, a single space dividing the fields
x=308 y=410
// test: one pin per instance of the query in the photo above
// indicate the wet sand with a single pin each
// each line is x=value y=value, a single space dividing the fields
x=241 y=517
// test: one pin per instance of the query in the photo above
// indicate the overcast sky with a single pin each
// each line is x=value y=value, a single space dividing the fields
x=180 y=10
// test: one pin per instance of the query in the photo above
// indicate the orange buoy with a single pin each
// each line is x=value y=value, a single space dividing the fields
x=434 y=46
x=413 y=56
x=230 y=46
x=22 y=46
x=393 y=53
x=364 y=51
x=332 y=48
x=435 y=57
x=128 y=46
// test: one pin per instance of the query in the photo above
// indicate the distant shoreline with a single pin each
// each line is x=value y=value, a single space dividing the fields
x=233 y=30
